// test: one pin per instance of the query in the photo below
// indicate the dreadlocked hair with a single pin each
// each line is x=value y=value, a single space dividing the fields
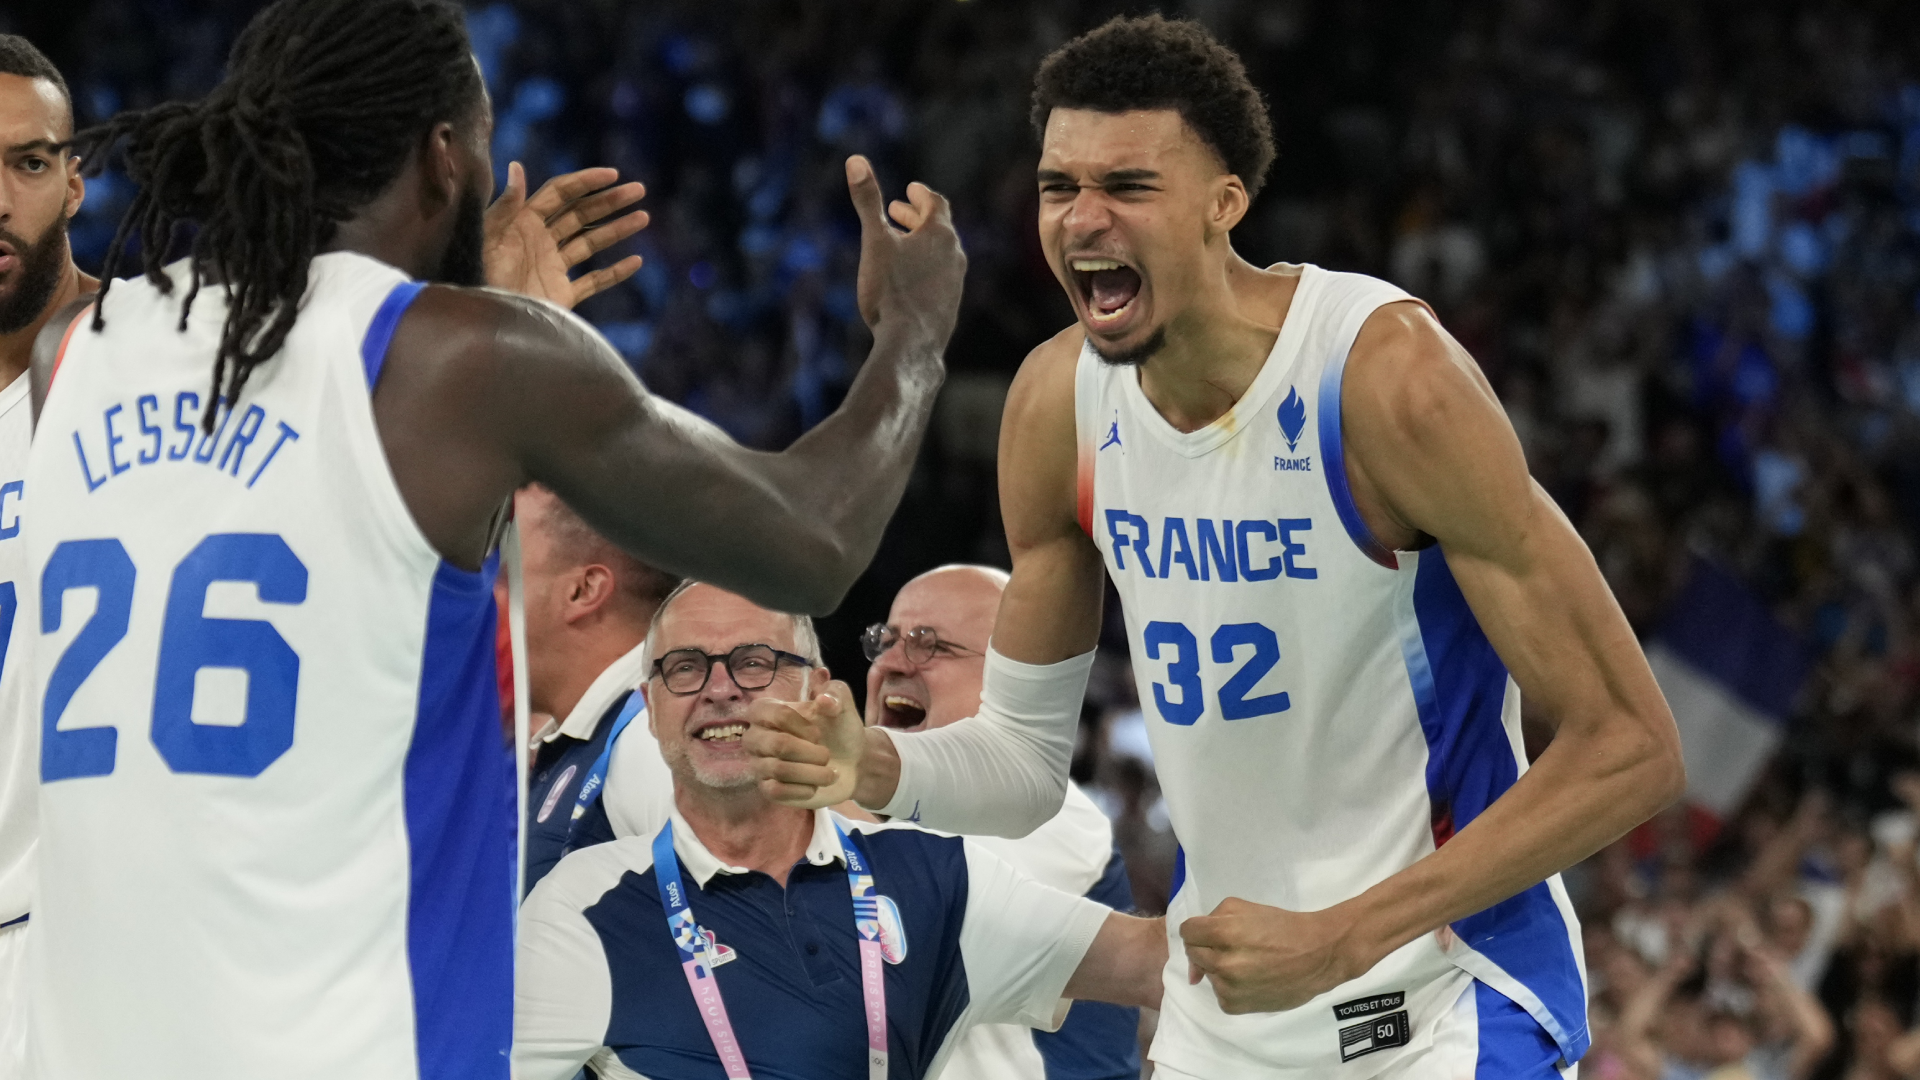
x=322 y=104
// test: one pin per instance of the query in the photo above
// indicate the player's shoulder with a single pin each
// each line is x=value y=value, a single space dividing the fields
x=1052 y=363
x=50 y=343
x=1041 y=398
x=455 y=319
x=583 y=877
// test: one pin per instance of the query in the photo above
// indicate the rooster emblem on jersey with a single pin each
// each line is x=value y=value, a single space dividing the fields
x=1293 y=419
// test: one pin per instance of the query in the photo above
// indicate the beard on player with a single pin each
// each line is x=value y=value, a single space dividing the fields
x=464 y=262
x=28 y=286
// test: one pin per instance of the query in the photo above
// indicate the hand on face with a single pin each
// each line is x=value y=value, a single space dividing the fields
x=1265 y=959
x=807 y=754
x=533 y=243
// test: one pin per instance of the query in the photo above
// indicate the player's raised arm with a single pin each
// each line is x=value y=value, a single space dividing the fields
x=540 y=396
x=1004 y=771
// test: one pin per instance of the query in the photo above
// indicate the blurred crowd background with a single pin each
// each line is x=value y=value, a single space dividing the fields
x=1683 y=240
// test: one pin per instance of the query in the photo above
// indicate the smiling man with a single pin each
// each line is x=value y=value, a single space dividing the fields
x=1338 y=581
x=40 y=190
x=764 y=940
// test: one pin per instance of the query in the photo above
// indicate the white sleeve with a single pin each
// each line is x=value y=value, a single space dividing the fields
x=639 y=791
x=1002 y=772
x=563 y=992
x=1020 y=943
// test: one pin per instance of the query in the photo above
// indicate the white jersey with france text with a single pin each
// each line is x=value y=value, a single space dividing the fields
x=1323 y=712
x=277 y=812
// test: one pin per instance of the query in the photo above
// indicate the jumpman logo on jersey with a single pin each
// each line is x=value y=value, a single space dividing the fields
x=1113 y=433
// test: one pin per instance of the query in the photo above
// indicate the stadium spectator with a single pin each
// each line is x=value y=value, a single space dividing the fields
x=758 y=906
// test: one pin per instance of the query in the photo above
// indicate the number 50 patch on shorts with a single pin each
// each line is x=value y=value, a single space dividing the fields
x=1383 y=1024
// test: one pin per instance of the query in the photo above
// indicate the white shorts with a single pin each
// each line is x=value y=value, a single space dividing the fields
x=13 y=1000
x=1484 y=1037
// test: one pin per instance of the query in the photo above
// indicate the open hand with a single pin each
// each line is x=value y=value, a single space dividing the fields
x=916 y=272
x=533 y=244
x=807 y=753
x=1265 y=959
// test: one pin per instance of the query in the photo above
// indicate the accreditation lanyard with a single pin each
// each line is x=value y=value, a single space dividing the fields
x=597 y=774
x=696 y=961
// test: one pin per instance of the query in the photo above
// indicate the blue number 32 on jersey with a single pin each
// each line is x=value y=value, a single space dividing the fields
x=189 y=642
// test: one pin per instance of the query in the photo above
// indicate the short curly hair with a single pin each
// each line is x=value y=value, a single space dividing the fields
x=1159 y=63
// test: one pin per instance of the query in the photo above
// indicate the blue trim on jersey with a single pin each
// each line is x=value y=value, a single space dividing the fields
x=1099 y=1041
x=1459 y=687
x=15 y=922
x=1179 y=871
x=460 y=807
x=1333 y=464
x=1512 y=1045
x=373 y=348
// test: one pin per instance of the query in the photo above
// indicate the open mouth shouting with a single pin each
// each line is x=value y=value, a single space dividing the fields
x=1108 y=291
x=902 y=711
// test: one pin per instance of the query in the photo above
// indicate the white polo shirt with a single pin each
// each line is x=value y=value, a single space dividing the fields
x=600 y=982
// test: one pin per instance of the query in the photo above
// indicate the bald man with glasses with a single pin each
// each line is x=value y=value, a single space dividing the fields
x=928 y=659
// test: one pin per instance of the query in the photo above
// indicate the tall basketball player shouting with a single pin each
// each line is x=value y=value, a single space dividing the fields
x=1338 y=581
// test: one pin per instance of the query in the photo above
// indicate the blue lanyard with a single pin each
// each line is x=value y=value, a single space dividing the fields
x=696 y=960
x=597 y=775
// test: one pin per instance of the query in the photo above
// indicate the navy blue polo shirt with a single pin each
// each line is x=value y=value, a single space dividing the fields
x=600 y=980
x=554 y=790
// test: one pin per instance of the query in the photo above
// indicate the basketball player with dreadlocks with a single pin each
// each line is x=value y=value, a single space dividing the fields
x=1338 y=580
x=40 y=190
x=277 y=817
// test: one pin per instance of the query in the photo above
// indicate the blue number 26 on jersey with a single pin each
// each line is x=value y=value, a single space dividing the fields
x=189 y=642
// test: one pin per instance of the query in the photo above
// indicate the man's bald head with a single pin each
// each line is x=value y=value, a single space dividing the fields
x=959 y=603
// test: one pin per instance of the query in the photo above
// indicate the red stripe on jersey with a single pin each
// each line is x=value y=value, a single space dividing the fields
x=1083 y=496
x=66 y=339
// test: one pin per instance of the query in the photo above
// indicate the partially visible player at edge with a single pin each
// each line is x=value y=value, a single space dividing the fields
x=40 y=191
x=1338 y=580
x=304 y=868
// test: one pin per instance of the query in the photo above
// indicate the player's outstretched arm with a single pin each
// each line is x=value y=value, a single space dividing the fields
x=1431 y=454
x=1004 y=771
x=524 y=391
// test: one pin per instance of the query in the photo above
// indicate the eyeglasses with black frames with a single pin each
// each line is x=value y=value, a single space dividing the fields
x=923 y=643
x=751 y=667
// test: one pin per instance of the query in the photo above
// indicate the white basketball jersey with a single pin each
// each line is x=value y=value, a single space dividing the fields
x=1322 y=711
x=19 y=760
x=277 y=810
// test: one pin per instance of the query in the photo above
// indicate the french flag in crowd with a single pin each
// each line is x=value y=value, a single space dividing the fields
x=1730 y=671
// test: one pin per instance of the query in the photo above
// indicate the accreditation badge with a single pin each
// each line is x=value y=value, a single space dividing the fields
x=893 y=931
